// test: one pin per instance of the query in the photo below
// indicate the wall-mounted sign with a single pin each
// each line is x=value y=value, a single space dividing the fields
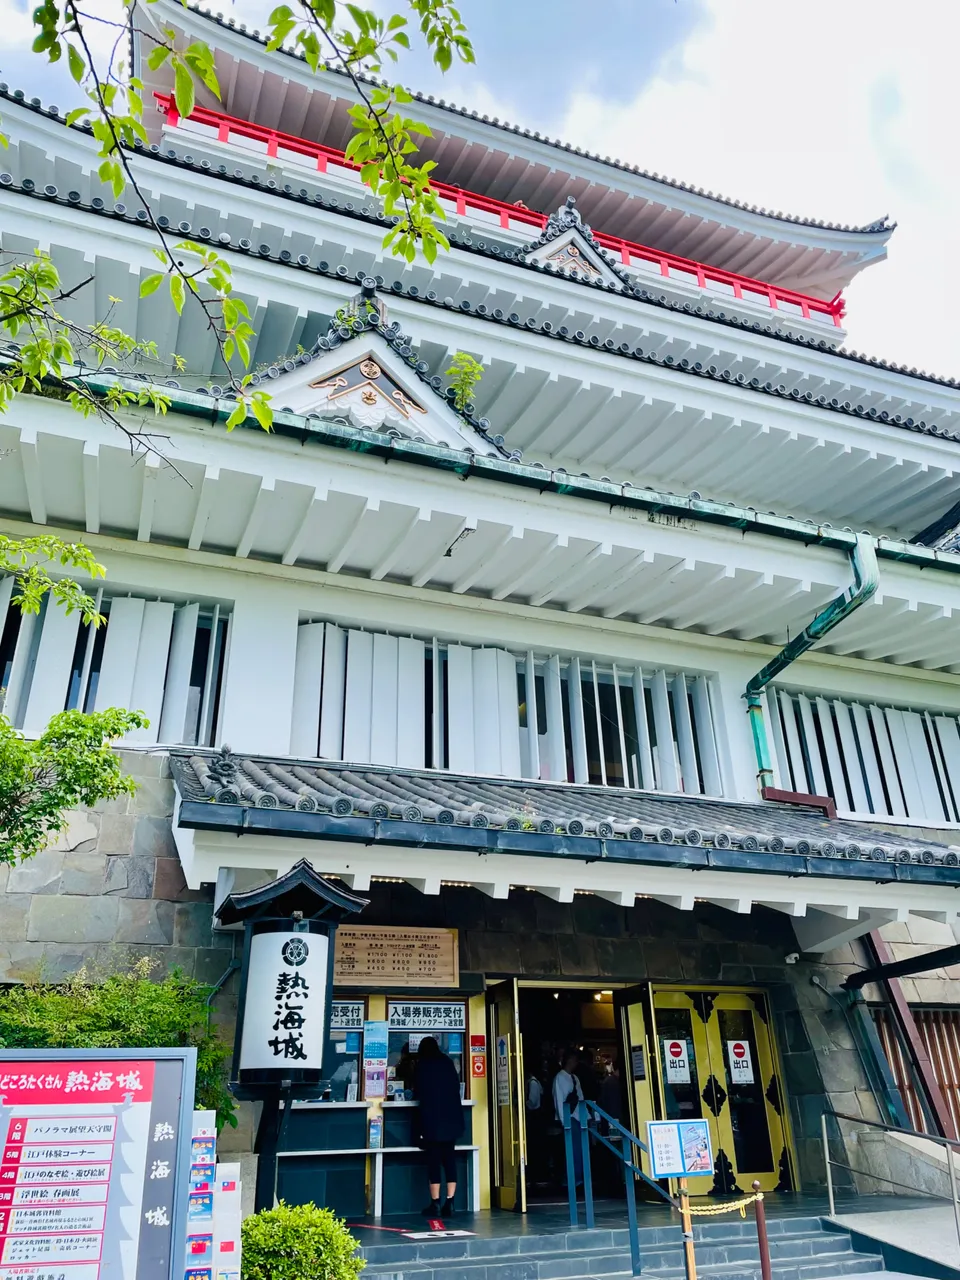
x=740 y=1061
x=478 y=1057
x=347 y=1015
x=283 y=1019
x=676 y=1061
x=96 y=1157
x=637 y=1062
x=426 y=1016
x=679 y=1148
x=370 y=956
x=375 y=1059
x=503 y=1071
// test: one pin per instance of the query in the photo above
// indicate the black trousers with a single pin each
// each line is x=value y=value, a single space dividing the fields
x=441 y=1158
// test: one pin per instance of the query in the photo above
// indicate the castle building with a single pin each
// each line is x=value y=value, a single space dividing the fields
x=629 y=693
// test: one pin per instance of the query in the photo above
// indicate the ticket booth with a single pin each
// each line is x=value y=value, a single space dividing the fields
x=356 y=1150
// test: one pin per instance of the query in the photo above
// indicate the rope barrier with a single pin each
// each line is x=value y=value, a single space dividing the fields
x=712 y=1210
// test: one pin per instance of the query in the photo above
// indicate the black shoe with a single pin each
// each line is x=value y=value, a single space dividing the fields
x=447 y=1211
x=432 y=1210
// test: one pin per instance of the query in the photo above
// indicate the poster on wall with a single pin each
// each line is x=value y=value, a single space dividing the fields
x=676 y=1061
x=94 y=1175
x=283 y=1013
x=375 y=1036
x=740 y=1061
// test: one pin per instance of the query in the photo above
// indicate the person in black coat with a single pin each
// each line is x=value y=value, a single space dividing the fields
x=437 y=1087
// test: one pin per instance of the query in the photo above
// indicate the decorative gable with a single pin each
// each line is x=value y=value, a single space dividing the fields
x=567 y=245
x=368 y=396
x=366 y=373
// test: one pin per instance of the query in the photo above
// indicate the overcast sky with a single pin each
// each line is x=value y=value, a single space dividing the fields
x=836 y=109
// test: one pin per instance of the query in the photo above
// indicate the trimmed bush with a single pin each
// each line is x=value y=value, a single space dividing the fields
x=298 y=1242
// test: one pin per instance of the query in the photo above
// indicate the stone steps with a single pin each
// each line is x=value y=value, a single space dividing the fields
x=800 y=1249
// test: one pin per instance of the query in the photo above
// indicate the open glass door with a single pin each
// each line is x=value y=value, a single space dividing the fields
x=686 y=1081
x=507 y=1103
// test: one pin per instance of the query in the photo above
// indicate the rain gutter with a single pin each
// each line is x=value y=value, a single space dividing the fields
x=866 y=579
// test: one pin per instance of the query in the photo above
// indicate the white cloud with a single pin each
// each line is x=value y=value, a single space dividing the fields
x=841 y=111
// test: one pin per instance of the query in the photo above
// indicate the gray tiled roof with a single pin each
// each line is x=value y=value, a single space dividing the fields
x=610 y=813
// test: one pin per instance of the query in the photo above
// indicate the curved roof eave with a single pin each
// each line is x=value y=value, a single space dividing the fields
x=792 y=245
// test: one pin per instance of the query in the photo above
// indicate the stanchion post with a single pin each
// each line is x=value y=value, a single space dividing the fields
x=762 y=1240
x=686 y=1222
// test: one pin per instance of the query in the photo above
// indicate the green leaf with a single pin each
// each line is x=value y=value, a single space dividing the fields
x=77 y=65
x=238 y=415
x=158 y=56
x=151 y=284
x=77 y=114
x=263 y=413
x=177 y=293
x=183 y=91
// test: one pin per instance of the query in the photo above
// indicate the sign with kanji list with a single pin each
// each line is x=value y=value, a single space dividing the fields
x=371 y=956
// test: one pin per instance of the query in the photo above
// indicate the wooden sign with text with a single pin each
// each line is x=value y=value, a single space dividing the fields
x=374 y=956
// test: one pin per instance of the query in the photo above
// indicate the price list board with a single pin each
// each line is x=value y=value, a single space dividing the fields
x=370 y=956
x=91 y=1186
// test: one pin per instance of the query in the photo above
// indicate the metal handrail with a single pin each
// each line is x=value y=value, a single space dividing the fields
x=950 y=1146
x=585 y=1111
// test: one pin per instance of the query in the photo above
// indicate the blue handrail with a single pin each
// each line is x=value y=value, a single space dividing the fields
x=588 y=1117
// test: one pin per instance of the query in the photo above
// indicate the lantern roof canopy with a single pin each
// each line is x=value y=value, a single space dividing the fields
x=299 y=890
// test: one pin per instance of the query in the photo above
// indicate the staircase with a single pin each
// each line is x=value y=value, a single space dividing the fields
x=801 y=1248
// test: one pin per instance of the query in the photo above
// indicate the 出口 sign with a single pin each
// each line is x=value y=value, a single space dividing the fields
x=93 y=1172
x=367 y=955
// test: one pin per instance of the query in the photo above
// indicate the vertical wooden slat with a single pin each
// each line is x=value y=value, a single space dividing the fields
x=778 y=746
x=411 y=703
x=943 y=785
x=900 y=742
x=486 y=711
x=621 y=735
x=949 y=738
x=532 y=760
x=460 y=708
x=871 y=764
x=21 y=668
x=358 y=697
x=54 y=663
x=115 y=686
x=176 y=694
x=818 y=778
x=555 y=760
x=439 y=685
x=307 y=682
x=508 y=714
x=333 y=692
x=837 y=786
x=601 y=746
x=668 y=773
x=151 y=669
x=930 y=800
x=383 y=699
x=888 y=765
x=798 y=769
x=648 y=776
x=848 y=745
x=208 y=703
x=689 y=774
x=706 y=737
x=578 y=739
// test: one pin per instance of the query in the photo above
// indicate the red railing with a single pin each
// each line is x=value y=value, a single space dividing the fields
x=669 y=265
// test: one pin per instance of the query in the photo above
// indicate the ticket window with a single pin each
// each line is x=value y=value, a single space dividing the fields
x=343 y=1056
x=410 y=1022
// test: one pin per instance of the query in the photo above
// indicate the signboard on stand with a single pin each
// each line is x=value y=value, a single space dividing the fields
x=95 y=1164
x=679 y=1148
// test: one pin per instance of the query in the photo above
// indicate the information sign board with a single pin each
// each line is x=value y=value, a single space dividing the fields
x=676 y=1061
x=94 y=1172
x=679 y=1148
x=740 y=1061
x=376 y=956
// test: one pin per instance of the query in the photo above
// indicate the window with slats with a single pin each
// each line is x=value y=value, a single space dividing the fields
x=892 y=762
x=155 y=656
x=429 y=703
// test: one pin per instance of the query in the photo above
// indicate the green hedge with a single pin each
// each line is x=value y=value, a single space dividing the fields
x=298 y=1242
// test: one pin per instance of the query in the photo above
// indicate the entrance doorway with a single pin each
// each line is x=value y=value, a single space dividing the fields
x=641 y=1053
